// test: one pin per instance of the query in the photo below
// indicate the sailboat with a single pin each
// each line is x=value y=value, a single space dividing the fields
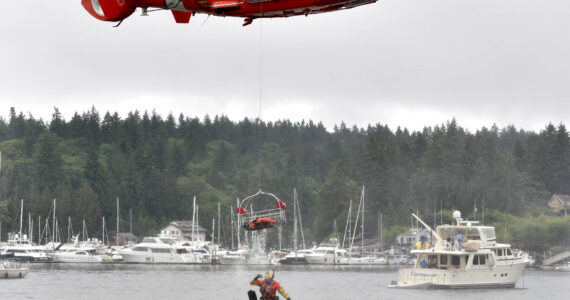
x=363 y=259
x=296 y=257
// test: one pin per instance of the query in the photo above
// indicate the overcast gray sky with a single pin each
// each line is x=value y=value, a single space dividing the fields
x=397 y=62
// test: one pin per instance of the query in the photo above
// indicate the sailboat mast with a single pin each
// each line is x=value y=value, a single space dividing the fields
x=117 y=235
x=301 y=223
x=219 y=214
x=381 y=238
x=53 y=228
x=193 y=218
x=232 y=225
x=362 y=244
x=21 y=216
x=355 y=227
x=30 y=227
x=294 y=221
x=346 y=226
x=103 y=232
x=237 y=225
x=197 y=222
x=57 y=236
x=213 y=230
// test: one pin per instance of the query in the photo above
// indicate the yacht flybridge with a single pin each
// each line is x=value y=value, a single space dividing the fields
x=463 y=256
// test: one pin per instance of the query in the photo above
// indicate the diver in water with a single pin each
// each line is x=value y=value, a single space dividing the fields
x=268 y=288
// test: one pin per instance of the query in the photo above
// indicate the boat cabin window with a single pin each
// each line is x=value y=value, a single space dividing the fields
x=181 y=251
x=140 y=249
x=479 y=260
x=160 y=250
x=80 y=253
x=455 y=260
x=509 y=253
x=458 y=261
x=443 y=261
x=432 y=261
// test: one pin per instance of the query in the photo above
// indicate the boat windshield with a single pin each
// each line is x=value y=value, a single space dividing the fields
x=468 y=233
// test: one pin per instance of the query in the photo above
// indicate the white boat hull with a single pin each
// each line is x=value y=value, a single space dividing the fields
x=76 y=258
x=502 y=276
x=363 y=261
x=158 y=258
x=13 y=273
x=327 y=259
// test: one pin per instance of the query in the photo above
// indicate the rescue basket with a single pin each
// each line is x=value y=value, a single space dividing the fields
x=265 y=217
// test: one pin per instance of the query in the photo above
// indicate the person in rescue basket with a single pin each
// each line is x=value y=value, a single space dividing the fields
x=268 y=288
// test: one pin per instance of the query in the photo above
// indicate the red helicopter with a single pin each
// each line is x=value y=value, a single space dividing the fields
x=182 y=10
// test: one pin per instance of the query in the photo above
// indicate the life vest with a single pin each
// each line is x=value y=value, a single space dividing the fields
x=268 y=291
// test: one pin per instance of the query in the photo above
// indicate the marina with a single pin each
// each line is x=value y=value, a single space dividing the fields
x=135 y=281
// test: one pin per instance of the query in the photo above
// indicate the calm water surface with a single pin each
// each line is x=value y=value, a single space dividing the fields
x=121 y=281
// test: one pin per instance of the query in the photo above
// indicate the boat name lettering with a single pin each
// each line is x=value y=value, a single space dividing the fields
x=423 y=274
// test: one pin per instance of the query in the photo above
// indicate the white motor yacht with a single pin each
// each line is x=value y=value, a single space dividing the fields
x=10 y=269
x=155 y=250
x=326 y=256
x=78 y=256
x=19 y=248
x=366 y=260
x=296 y=257
x=86 y=245
x=477 y=262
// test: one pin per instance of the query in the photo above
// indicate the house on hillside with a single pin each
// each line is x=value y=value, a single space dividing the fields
x=559 y=203
x=184 y=231
x=125 y=238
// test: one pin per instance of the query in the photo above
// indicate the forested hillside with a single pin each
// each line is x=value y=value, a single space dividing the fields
x=156 y=164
